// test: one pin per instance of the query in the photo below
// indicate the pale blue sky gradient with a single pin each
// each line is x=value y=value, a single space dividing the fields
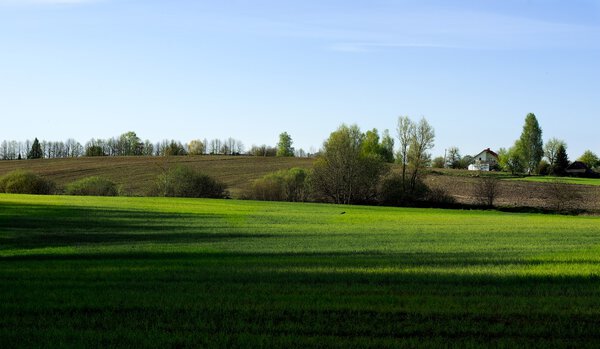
x=252 y=69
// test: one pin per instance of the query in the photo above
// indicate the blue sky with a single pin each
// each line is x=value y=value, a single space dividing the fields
x=253 y=69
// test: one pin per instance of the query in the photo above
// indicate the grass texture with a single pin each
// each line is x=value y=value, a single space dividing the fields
x=163 y=272
x=566 y=180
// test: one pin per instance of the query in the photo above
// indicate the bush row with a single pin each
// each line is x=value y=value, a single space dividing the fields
x=296 y=184
x=177 y=182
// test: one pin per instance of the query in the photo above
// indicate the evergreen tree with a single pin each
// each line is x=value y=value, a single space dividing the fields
x=531 y=145
x=387 y=147
x=562 y=161
x=36 y=150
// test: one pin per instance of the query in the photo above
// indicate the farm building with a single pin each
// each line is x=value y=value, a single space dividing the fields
x=580 y=169
x=484 y=161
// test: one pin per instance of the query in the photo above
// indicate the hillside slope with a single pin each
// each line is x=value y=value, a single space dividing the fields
x=136 y=174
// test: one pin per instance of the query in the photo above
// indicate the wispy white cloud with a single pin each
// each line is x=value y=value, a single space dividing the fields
x=370 y=46
x=46 y=2
x=377 y=30
x=461 y=30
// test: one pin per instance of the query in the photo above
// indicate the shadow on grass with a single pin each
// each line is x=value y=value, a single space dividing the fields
x=36 y=226
x=353 y=262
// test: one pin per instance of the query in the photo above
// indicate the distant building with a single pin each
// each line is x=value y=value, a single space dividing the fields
x=578 y=168
x=484 y=161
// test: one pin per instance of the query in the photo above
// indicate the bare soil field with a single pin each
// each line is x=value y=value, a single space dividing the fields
x=136 y=174
x=516 y=193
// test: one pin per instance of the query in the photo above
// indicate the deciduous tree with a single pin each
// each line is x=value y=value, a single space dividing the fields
x=453 y=157
x=421 y=142
x=405 y=131
x=551 y=150
x=530 y=143
x=590 y=159
x=196 y=147
x=343 y=173
x=284 y=146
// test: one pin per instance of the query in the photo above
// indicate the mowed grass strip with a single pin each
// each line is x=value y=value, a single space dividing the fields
x=156 y=272
x=566 y=180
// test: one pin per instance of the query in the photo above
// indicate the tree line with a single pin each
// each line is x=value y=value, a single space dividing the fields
x=129 y=144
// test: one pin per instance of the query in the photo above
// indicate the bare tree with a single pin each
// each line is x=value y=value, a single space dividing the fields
x=405 y=132
x=239 y=147
x=453 y=158
x=148 y=148
x=421 y=142
x=562 y=197
x=551 y=150
x=215 y=146
x=486 y=190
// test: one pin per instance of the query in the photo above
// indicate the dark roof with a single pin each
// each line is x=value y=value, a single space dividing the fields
x=578 y=165
x=488 y=151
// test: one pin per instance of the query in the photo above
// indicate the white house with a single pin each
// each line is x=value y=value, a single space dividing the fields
x=484 y=161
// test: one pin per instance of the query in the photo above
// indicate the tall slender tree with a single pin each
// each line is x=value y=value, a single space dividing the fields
x=531 y=145
x=284 y=146
x=405 y=129
x=422 y=141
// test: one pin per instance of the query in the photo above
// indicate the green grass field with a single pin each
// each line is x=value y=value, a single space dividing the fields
x=155 y=272
x=567 y=180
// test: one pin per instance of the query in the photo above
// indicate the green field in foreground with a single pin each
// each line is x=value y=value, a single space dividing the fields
x=155 y=272
x=567 y=180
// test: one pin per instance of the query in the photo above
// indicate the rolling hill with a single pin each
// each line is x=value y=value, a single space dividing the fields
x=136 y=174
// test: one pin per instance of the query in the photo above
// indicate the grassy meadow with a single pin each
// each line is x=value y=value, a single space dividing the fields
x=157 y=272
x=566 y=180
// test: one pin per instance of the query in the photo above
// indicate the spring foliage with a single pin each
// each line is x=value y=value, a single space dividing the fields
x=92 y=186
x=25 y=182
x=285 y=185
x=185 y=182
x=344 y=173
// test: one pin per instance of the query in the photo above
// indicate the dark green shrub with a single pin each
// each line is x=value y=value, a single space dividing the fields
x=438 y=197
x=24 y=182
x=92 y=186
x=392 y=191
x=285 y=185
x=186 y=182
x=94 y=150
x=544 y=168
